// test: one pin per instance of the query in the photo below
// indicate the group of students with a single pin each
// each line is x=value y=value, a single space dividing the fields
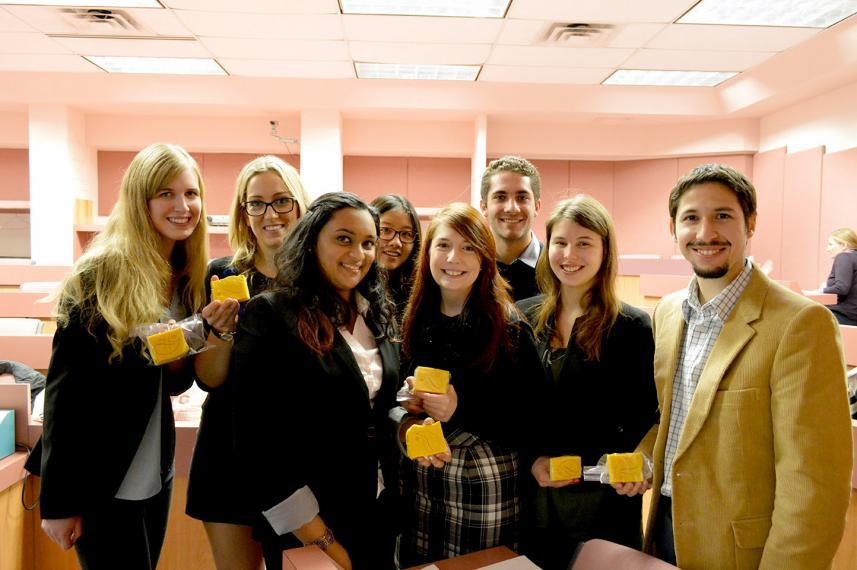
x=301 y=436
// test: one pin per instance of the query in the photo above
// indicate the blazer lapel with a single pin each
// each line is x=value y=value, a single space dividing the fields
x=735 y=335
x=668 y=329
x=342 y=353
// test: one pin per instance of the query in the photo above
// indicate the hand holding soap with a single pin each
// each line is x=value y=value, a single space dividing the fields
x=425 y=440
x=625 y=467
x=167 y=346
x=431 y=380
x=565 y=467
x=232 y=287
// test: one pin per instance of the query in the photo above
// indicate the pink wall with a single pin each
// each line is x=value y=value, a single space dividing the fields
x=768 y=172
x=640 y=205
x=426 y=182
x=14 y=174
x=801 y=210
x=838 y=200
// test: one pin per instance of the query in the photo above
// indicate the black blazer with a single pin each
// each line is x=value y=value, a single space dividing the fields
x=96 y=413
x=605 y=406
x=305 y=419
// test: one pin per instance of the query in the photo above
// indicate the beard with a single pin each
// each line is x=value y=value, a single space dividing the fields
x=710 y=272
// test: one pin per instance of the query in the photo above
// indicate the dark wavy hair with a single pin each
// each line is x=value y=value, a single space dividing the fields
x=320 y=310
x=401 y=278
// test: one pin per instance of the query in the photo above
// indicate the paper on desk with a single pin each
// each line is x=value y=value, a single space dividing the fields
x=518 y=563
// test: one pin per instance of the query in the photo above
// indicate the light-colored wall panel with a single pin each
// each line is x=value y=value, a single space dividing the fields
x=838 y=200
x=801 y=210
x=640 y=197
x=767 y=244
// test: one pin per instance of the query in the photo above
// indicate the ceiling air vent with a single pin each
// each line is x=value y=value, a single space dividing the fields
x=101 y=21
x=576 y=34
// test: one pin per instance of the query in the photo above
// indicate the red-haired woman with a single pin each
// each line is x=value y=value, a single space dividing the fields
x=460 y=318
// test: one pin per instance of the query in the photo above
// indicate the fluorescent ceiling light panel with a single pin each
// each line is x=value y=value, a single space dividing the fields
x=671 y=78
x=88 y=3
x=459 y=8
x=785 y=13
x=157 y=65
x=417 y=71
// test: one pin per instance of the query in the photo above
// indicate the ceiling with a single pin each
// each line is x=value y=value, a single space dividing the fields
x=268 y=45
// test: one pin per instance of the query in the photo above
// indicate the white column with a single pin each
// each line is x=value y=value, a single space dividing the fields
x=62 y=168
x=321 y=151
x=479 y=158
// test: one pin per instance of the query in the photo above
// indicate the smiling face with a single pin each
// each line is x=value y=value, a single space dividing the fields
x=393 y=253
x=175 y=209
x=711 y=232
x=454 y=263
x=271 y=228
x=575 y=254
x=510 y=207
x=346 y=249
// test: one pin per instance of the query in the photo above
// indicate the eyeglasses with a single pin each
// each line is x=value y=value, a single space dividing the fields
x=407 y=236
x=258 y=207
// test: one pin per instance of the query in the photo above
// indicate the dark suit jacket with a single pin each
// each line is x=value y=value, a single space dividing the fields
x=305 y=419
x=96 y=413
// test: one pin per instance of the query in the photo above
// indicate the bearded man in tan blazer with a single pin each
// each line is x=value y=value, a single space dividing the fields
x=753 y=450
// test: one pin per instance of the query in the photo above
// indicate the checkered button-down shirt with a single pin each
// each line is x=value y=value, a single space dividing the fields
x=703 y=326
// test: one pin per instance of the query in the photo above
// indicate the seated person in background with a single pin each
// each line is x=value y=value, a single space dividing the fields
x=842 y=247
x=511 y=198
x=597 y=353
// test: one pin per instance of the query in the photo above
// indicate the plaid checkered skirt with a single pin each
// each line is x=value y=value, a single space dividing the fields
x=472 y=503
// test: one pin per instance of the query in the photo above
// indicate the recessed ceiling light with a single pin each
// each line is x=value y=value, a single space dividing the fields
x=786 y=13
x=85 y=4
x=664 y=77
x=159 y=65
x=417 y=71
x=460 y=8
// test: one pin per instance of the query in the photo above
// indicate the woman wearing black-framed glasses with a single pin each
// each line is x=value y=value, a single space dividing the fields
x=398 y=245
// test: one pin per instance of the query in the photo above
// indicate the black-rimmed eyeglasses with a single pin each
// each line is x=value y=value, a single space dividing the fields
x=258 y=207
x=407 y=236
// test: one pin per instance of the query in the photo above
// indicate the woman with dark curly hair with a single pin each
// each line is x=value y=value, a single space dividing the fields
x=398 y=246
x=318 y=375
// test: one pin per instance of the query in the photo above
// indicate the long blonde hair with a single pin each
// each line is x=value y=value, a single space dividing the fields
x=122 y=279
x=600 y=303
x=241 y=238
x=845 y=236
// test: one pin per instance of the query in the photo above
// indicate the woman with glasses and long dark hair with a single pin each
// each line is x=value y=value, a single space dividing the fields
x=398 y=245
x=317 y=375
x=598 y=356
x=269 y=199
x=462 y=319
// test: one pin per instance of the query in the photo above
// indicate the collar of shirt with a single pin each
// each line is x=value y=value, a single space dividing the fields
x=721 y=305
x=531 y=255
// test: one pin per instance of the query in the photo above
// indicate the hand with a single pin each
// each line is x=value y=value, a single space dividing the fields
x=632 y=489
x=221 y=315
x=339 y=555
x=65 y=532
x=438 y=460
x=440 y=406
x=415 y=406
x=542 y=473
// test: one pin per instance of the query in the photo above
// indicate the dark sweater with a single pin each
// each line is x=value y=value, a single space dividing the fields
x=843 y=281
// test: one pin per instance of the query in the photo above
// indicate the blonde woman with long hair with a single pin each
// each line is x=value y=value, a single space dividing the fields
x=108 y=440
x=598 y=355
x=269 y=200
x=842 y=247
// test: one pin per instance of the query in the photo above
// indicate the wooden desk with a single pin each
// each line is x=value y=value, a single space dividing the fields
x=473 y=560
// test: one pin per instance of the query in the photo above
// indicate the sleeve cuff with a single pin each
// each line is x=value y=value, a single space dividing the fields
x=294 y=512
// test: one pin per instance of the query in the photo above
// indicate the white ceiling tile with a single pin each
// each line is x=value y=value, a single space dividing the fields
x=634 y=35
x=279 y=68
x=34 y=43
x=600 y=11
x=9 y=23
x=522 y=74
x=44 y=62
x=52 y=20
x=421 y=29
x=558 y=56
x=256 y=48
x=695 y=60
x=257 y=6
x=730 y=38
x=235 y=25
x=134 y=47
x=456 y=54
x=521 y=32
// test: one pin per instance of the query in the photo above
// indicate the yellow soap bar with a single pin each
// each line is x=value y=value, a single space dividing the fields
x=168 y=345
x=232 y=287
x=425 y=440
x=625 y=467
x=431 y=380
x=566 y=467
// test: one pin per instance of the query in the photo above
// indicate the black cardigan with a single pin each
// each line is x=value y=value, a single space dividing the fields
x=605 y=406
x=305 y=419
x=96 y=413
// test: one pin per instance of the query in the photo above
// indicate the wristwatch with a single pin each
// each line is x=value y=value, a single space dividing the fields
x=325 y=540
x=224 y=336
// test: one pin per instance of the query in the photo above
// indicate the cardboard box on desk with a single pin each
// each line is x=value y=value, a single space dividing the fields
x=308 y=558
x=7 y=433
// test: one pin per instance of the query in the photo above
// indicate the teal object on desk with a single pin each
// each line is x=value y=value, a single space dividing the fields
x=7 y=433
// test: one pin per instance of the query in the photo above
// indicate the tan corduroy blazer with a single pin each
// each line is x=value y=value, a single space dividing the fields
x=761 y=477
